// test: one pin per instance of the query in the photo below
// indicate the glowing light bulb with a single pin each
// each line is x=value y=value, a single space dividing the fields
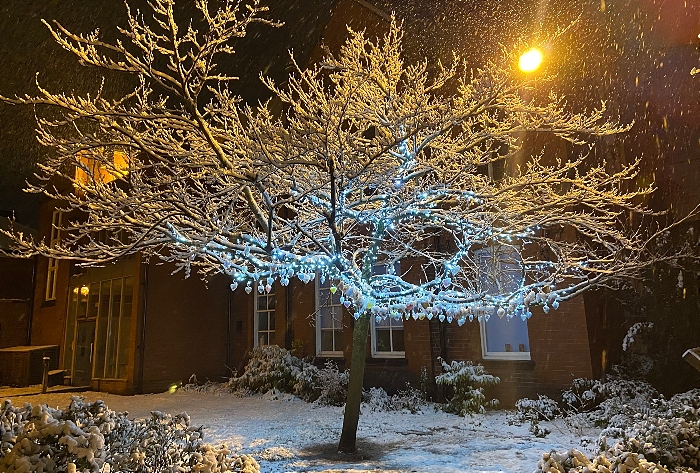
x=530 y=60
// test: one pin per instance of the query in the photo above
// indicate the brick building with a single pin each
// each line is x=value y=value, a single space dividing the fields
x=133 y=327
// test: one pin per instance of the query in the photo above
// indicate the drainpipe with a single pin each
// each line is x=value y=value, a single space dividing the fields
x=228 y=331
x=31 y=301
x=144 y=291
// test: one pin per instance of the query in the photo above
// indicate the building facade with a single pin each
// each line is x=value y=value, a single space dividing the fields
x=133 y=327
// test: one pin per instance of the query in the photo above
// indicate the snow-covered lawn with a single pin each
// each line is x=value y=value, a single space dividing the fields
x=295 y=436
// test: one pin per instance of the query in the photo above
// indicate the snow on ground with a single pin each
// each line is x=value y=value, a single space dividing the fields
x=294 y=436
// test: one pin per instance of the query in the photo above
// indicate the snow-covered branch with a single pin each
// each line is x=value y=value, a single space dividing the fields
x=375 y=177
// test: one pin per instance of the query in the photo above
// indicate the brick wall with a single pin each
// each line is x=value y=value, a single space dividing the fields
x=49 y=317
x=14 y=323
x=559 y=346
x=186 y=329
x=16 y=279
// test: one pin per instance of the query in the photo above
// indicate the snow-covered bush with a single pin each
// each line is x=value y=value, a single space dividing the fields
x=613 y=403
x=376 y=400
x=409 y=399
x=333 y=384
x=584 y=394
x=91 y=437
x=616 y=460
x=635 y=332
x=663 y=437
x=685 y=405
x=674 y=442
x=535 y=410
x=270 y=367
x=273 y=367
x=466 y=383
x=542 y=408
x=657 y=446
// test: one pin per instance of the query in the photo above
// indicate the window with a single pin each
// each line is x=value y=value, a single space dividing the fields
x=55 y=236
x=77 y=310
x=329 y=320
x=108 y=304
x=502 y=338
x=387 y=338
x=387 y=335
x=91 y=168
x=265 y=304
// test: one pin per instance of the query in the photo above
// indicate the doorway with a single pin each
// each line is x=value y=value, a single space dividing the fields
x=84 y=344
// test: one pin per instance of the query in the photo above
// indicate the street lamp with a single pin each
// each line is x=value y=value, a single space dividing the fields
x=530 y=60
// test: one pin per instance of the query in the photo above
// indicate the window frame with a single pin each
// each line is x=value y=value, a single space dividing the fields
x=52 y=268
x=373 y=331
x=373 y=325
x=502 y=355
x=319 y=329
x=483 y=331
x=256 y=320
x=119 y=338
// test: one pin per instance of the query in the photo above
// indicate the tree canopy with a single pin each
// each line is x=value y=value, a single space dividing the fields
x=370 y=161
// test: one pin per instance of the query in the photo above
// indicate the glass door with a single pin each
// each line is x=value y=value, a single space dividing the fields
x=84 y=344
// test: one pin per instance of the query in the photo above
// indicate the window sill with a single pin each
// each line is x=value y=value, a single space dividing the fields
x=512 y=356
x=333 y=355
x=387 y=361
x=48 y=303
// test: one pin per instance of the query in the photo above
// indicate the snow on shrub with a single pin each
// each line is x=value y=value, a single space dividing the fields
x=661 y=438
x=613 y=405
x=618 y=461
x=273 y=367
x=466 y=382
x=542 y=408
x=685 y=405
x=410 y=399
x=91 y=437
x=535 y=410
x=674 y=442
x=586 y=394
x=333 y=385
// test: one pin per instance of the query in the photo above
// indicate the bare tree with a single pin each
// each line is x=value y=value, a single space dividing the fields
x=369 y=162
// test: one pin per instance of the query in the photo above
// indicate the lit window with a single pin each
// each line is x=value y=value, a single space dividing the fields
x=265 y=304
x=98 y=330
x=55 y=236
x=91 y=169
x=502 y=338
x=387 y=335
x=329 y=320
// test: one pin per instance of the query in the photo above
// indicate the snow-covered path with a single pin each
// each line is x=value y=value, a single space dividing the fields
x=293 y=436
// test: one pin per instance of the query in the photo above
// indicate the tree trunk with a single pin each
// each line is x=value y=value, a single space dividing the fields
x=357 y=373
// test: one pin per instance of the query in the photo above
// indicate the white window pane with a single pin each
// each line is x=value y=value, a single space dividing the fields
x=504 y=335
x=329 y=315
